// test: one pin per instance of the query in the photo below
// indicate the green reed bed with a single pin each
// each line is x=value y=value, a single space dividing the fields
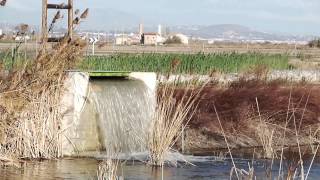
x=185 y=63
x=9 y=60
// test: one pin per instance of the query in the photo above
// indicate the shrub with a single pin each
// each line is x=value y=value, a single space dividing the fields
x=173 y=40
x=314 y=43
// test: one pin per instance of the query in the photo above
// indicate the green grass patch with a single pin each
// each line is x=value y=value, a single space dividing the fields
x=8 y=62
x=185 y=63
x=163 y=63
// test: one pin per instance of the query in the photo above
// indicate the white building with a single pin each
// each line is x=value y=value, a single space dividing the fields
x=1 y=32
x=149 y=38
x=160 y=40
x=184 y=38
x=122 y=40
x=22 y=38
x=127 y=39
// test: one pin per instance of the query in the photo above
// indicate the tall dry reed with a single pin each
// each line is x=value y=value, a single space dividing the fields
x=108 y=168
x=30 y=102
x=170 y=119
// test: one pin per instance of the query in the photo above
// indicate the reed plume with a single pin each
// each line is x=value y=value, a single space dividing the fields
x=56 y=17
x=77 y=11
x=84 y=15
x=3 y=2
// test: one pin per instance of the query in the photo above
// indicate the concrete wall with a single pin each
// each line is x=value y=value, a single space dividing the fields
x=73 y=102
x=150 y=79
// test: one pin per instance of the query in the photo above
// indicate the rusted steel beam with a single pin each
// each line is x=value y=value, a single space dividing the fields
x=58 y=6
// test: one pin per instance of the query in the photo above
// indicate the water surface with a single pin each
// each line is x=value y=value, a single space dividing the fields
x=204 y=168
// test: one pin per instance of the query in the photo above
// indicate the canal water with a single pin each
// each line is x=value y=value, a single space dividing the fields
x=202 y=168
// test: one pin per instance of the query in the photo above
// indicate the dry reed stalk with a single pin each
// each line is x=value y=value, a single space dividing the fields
x=265 y=135
x=76 y=12
x=170 y=117
x=313 y=139
x=234 y=168
x=30 y=103
x=56 y=17
x=298 y=133
x=107 y=170
x=284 y=136
x=299 y=148
x=293 y=168
x=243 y=174
x=312 y=161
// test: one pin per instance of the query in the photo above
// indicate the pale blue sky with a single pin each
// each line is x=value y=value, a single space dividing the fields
x=287 y=16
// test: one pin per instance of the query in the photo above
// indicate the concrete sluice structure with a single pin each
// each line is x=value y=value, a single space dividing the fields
x=100 y=112
x=103 y=113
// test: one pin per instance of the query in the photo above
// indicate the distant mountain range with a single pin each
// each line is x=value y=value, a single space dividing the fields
x=226 y=32
x=234 y=32
x=223 y=32
x=114 y=20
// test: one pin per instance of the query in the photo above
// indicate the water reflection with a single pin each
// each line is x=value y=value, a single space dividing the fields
x=86 y=169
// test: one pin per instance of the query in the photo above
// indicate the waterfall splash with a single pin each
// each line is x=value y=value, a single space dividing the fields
x=124 y=111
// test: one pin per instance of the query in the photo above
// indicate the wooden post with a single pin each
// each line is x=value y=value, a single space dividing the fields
x=44 y=28
x=70 y=18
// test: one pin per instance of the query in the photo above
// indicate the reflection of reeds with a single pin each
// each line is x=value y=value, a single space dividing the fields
x=170 y=117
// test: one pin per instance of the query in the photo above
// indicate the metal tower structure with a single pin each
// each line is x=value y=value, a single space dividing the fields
x=44 y=28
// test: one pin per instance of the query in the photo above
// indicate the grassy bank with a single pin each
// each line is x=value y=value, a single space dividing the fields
x=164 y=63
x=185 y=63
x=10 y=60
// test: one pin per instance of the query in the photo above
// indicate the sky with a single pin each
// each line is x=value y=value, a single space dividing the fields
x=299 y=17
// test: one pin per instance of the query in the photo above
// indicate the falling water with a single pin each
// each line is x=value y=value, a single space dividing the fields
x=123 y=113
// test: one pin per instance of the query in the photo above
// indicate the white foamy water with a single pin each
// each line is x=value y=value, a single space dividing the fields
x=124 y=110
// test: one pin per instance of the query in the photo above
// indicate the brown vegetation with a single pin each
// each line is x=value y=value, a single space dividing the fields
x=173 y=40
x=254 y=113
x=314 y=43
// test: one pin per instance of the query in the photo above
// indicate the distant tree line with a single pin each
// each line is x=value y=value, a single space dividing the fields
x=314 y=43
x=173 y=40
